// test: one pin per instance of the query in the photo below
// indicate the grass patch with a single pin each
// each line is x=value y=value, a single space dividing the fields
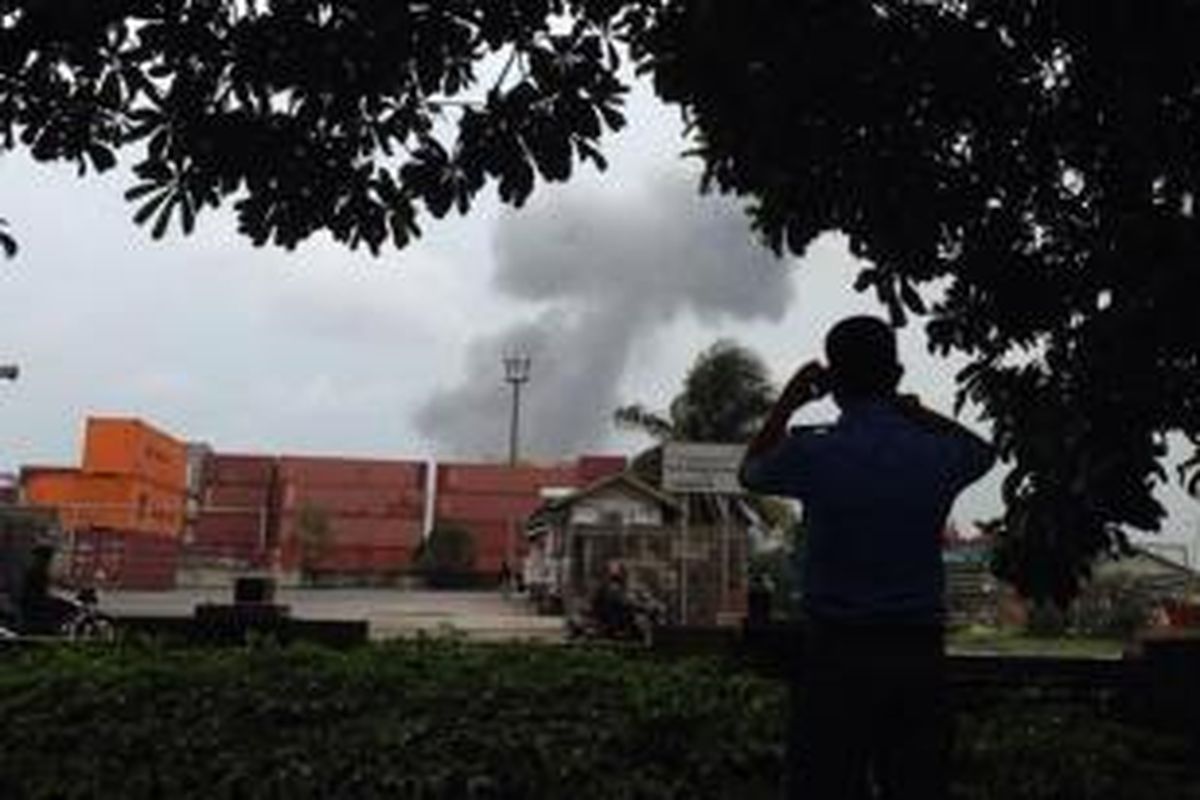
x=981 y=639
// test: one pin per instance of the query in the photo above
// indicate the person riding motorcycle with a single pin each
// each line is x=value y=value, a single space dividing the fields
x=611 y=607
x=42 y=612
x=38 y=607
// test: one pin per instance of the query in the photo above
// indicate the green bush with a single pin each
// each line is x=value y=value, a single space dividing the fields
x=429 y=719
x=1049 y=753
x=446 y=719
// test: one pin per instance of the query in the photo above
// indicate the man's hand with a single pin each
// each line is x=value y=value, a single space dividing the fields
x=810 y=382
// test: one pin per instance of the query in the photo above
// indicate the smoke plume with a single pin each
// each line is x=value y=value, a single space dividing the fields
x=601 y=272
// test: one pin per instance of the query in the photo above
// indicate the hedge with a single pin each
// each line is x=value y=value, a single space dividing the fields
x=447 y=719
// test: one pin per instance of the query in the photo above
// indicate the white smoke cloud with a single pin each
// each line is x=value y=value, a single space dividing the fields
x=602 y=273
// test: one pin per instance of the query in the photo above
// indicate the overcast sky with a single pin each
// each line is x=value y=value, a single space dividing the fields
x=613 y=282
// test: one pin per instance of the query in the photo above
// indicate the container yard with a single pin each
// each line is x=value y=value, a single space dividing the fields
x=145 y=510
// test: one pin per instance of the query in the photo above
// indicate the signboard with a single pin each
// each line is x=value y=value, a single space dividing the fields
x=700 y=468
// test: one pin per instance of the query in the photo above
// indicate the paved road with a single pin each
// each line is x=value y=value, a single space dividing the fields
x=391 y=613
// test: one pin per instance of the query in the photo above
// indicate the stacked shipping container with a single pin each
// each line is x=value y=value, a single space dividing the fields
x=350 y=516
x=236 y=518
x=494 y=500
x=142 y=496
x=126 y=501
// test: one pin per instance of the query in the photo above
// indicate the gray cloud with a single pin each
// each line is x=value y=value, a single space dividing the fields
x=604 y=273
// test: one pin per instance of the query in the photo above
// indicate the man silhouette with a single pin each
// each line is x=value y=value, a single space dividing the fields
x=876 y=488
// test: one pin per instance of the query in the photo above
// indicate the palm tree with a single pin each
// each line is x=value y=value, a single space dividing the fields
x=726 y=394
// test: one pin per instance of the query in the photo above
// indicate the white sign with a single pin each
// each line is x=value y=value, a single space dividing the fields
x=699 y=468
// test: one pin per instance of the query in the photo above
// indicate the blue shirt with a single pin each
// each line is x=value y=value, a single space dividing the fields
x=876 y=489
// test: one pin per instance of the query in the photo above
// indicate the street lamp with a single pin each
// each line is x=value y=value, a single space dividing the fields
x=516 y=372
x=9 y=372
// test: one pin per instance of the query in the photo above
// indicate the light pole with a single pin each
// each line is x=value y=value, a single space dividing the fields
x=516 y=372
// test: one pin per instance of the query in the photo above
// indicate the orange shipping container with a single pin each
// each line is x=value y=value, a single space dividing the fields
x=105 y=501
x=130 y=447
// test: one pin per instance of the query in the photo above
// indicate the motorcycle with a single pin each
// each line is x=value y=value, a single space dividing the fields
x=634 y=621
x=74 y=619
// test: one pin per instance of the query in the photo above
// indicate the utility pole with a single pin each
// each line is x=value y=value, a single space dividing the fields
x=516 y=372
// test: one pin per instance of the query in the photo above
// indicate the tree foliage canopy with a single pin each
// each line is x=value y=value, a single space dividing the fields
x=1038 y=158
x=1021 y=173
x=726 y=394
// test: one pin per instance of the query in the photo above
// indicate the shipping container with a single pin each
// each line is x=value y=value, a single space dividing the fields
x=503 y=479
x=130 y=447
x=121 y=560
x=235 y=469
x=229 y=526
x=593 y=468
x=322 y=471
x=118 y=502
x=245 y=498
x=363 y=560
x=356 y=531
x=378 y=501
x=233 y=554
x=485 y=507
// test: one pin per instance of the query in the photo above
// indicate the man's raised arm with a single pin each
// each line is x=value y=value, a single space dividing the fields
x=808 y=384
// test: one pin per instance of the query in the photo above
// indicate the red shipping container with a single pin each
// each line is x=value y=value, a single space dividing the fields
x=230 y=469
x=237 y=497
x=122 y=559
x=238 y=551
x=364 y=559
x=503 y=479
x=227 y=525
x=491 y=563
x=593 y=468
x=486 y=507
x=360 y=531
x=379 y=501
x=320 y=471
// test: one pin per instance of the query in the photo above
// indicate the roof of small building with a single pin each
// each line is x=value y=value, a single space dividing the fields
x=621 y=479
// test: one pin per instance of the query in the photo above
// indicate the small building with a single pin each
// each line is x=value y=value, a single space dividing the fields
x=696 y=571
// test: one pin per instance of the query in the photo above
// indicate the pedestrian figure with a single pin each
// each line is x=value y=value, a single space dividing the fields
x=505 y=577
x=610 y=605
x=869 y=704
